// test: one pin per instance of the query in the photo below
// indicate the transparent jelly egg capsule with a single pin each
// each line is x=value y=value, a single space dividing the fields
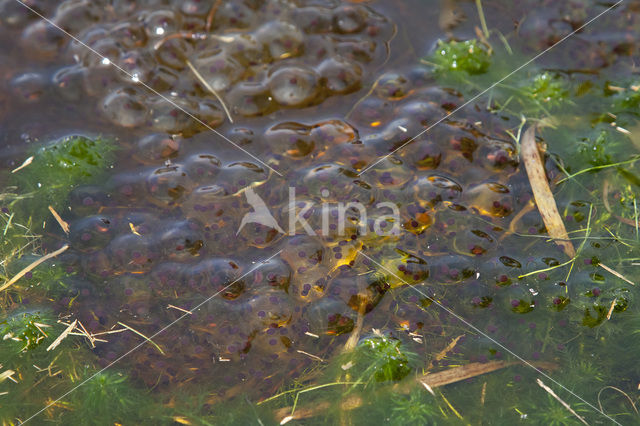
x=372 y=113
x=68 y=82
x=407 y=268
x=294 y=86
x=43 y=39
x=28 y=87
x=363 y=292
x=393 y=86
x=133 y=253
x=336 y=183
x=235 y=15
x=237 y=176
x=415 y=218
x=272 y=341
x=203 y=168
x=312 y=20
x=74 y=16
x=127 y=188
x=498 y=156
x=291 y=139
x=169 y=185
x=422 y=154
x=162 y=79
x=333 y=132
x=218 y=68
x=209 y=204
x=436 y=190
x=129 y=35
x=424 y=112
x=91 y=233
x=340 y=76
x=174 y=117
x=214 y=275
x=250 y=99
x=452 y=269
x=303 y=253
x=193 y=8
x=358 y=50
x=491 y=198
x=183 y=241
x=174 y=53
x=98 y=264
x=474 y=242
x=125 y=107
x=167 y=279
x=86 y=200
x=354 y=155
x=329 y=316
x=269 y=307
x=274 y=273
x=159 y=23
x=348 y=19
x=281 y=39
x=389 y=172
x=156 y=148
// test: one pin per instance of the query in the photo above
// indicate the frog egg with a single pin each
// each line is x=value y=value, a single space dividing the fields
x=203 y=168
x=129 y=35
x=234 y=15
x=216 y=275
x=209 y=204
x=174 y=53
x=474 y=242
x=432 y=191
x=269 y=307
x=329 y=316
x=422 y=154
x=183 y=241
x=86 y=200
x=246 y=50
x=133 y=253
x=42 y=38
x=393 y=86
x=354 y=155
x=497 y=156
x=390 y=172
x=423 y=112
x=257 y=235
x=98 y=264
x=127 y=188
x=74 y=16
x=210 y=113
x=124 y=107
x=91 y=233
x=158 y=23
x=452 y=269
x=362 y=51
x=15 y=15
x=290 y=138
x=348 y=19
x=313 y=20
x=273 y=341
x=219 y=69
x=340 y=76
x=239 y=175
x=28 y=87
x=69 y=81
x=274 y=273
x=408 y=268
x=361 y=292
x=156 y=148
x=343 y=184
x=415 y=218
x=193 y=7
x=250 y=99
x=294 y=86
x=303 y=253
x=168 y=118
x=372 y=112
x=281 y=39
x=333 y=132
x=491 y=198
x=169 y=184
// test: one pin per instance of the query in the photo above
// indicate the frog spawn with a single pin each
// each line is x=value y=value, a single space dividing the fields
x=293 y=56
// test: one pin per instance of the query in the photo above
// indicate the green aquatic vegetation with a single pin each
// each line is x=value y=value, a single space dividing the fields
x=383 y=359
x=108 y=398
x=15 y=239
x=553 y=413
x=469 y=56
x=24 y=331
x=56 y=169
x=418 y=408
x=548 y=89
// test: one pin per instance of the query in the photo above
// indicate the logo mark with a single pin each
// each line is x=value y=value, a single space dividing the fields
x=260 y=214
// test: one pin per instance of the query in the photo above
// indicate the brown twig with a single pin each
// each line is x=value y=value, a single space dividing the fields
x=212 y=15
x=64 y=225
x=33 y=266
x=564 y=404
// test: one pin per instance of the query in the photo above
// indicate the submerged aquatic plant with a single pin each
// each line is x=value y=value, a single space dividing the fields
x=383 y=358
x=469 y=56
x=56 y=169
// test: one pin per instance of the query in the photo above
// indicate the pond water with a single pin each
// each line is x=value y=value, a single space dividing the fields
x=317 y=212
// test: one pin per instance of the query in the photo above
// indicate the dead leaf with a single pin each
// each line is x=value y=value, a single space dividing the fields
x=542 y=193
